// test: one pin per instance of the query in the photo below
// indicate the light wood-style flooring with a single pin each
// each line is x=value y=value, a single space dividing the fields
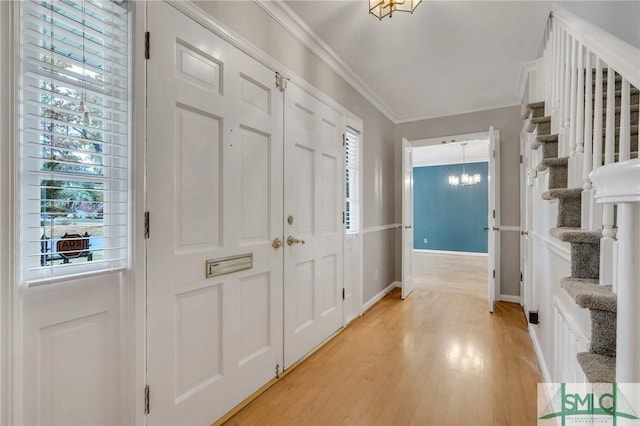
x=437 y=358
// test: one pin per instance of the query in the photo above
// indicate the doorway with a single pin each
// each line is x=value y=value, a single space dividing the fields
x=451 y=208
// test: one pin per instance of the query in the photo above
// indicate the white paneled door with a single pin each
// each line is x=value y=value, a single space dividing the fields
x=494 y=219
x=314 y=229
x=214 y=190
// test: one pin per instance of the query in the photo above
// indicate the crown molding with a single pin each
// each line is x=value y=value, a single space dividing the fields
x=487 y=107
x=290 y=21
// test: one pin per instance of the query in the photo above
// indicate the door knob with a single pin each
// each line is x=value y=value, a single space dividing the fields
x=407 y=227
x=291 y=241
x=277 y=243
x=486 y=229
x=524 y=233
x=496 y=229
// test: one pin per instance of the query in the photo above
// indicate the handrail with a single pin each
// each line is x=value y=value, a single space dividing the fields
x=617 y=182
x=620 y=55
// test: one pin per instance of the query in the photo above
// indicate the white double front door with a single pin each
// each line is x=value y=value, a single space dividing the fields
x=224 y=174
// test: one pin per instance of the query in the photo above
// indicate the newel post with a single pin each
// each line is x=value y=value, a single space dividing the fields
x=619 y=184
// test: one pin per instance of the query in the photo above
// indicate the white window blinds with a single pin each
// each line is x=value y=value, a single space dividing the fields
x=352 y=201
x=74 y=129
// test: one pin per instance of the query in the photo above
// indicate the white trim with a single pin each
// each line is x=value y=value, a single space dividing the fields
x=464 y=137
x=618 y=54
x=538 y=350
x=458 y=253
x=8 y=295
x=509 y=298
x=480 y=108
x=290 y=21
x=510 y=228
x=617 y=183
x=525 y=69
x=138 y=276
x=381 y=228
x=198 y=15
x=375 y=299
x=563 y=251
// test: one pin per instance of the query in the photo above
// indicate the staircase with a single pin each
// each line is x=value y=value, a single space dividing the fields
x=595 y=112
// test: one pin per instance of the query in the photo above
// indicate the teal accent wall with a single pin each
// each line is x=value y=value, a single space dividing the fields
x=450 y=218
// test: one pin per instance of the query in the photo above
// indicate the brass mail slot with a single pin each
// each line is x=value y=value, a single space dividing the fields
x=227 y=265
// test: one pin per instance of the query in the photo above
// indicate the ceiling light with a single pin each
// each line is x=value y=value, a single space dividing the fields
x=382 y=8
x=465 y=179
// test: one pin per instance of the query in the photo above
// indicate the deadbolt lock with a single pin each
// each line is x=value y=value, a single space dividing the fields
x=290 y=220
x=277 y=243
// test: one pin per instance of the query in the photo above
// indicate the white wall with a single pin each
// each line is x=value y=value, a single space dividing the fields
x=6 y=259
x=620 y=18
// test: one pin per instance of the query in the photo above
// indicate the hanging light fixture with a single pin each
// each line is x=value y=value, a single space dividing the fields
x=464 y=179
x=382 y=8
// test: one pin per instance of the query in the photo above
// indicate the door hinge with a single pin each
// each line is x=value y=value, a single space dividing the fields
x=344 y=139
x=494 y=153
x=520 y=276
x=494 y=213
x=277 y=371
x=146 y=225
x=494 y=273
x=281 y=82
x=146 y=45
x=521 y=159
x=343 y=219
x=146 y=399
x=343 y=294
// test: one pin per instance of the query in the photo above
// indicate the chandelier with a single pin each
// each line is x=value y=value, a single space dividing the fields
x=382 y=8
x=464 y=179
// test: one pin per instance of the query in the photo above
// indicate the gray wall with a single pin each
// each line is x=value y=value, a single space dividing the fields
x=620 y=18
x=508 y=121
x=251 y=22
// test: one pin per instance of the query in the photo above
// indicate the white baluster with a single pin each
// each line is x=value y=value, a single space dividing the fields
x=607 y=243
x=597 y=117
x=580 y=87
x=624 y=147
x=588 y=124
x=573 y=111
x=587 y=164
x=566 y=97
x=560 y=96
x=576 y=162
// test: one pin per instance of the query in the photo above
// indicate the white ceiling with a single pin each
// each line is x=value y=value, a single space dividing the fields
x=451 y=153
x=449 y=57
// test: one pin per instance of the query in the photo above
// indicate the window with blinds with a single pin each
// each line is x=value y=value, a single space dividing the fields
x=352 y=201
x=74 y=137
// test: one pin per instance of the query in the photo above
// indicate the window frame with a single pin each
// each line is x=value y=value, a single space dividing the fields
x=30 y=211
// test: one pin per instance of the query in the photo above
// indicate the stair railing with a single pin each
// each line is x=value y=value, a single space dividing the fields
x=578 y=54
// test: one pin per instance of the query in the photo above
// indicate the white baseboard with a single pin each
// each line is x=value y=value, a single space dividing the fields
x=375 y=299
x=460 y=253
x=509 y=298
x=397 y=284
x=536 y=347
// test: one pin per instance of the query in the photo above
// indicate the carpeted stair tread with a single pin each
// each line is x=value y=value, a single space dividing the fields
x=598 y=368
x=575 y=235
x=537 y=122
x=562 y=193
x=555 y=162
x=548 y=138
x=589 y=294
x=534 y=105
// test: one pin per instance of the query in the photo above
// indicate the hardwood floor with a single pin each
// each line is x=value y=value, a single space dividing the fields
x=437 y=358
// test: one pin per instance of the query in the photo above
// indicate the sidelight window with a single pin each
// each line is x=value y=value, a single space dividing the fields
x=74 y=137
x=352 y=196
